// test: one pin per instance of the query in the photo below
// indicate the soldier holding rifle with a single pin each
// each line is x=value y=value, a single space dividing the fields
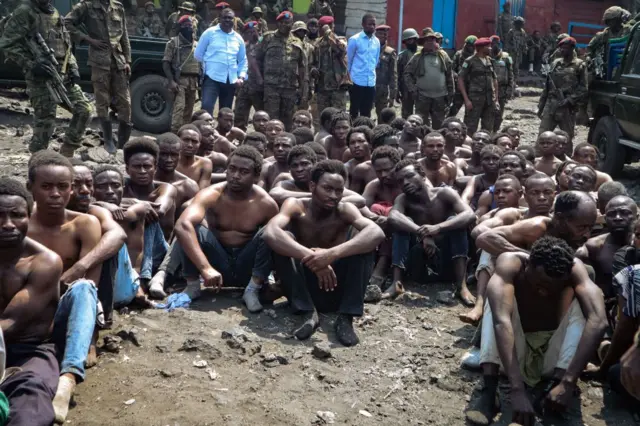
x=36 y=39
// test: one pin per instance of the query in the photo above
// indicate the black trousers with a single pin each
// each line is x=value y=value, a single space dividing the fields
x=106 y=288
x=303 y=292
x=361 y=99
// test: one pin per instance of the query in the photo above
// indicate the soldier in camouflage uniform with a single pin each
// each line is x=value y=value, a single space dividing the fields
x=185 y=9
x=319 y=8
x=251 y=94
x=183 y=73
x=300 y=31
x=237 y=22
x=551 y=41
x=282 y=65
x=410 y=40
x=150 y=24
x=109 y=59
x=505 y=21
x=40 y=16
x=478 y=85
x=432 y=94
x=503 y=66
x=257 y=15
x=597 y=51
x=386 y=72
x=516 y=44
x=458 y=59
x=565 y=90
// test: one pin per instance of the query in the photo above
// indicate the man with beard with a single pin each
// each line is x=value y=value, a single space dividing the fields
x=453 y=151
x=106 y=251
x=386 y=73
x=547 y=163
x=359 y=143
x=585 y=153
x=313 y=28
x=301 y=160
x=458 y=59
x=411 y=136
x=30 y=282
x=169 y=148
x=283 y=144
x=549 y=351
x=431 y=231
x=539 y=193
x=506 y=82
x=620 y=216
x=472 y=166
x=226 y=127
x=72 y=236
x=490 y=161
x=231 y=250
x=583 y=178
x=440 y=172
x=324 y=265
x=410 y=40
x=251 y=93
x=197 y=168
x=209 y=139
x=336 y=143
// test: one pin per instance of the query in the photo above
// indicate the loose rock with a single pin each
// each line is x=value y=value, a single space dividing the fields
x=445 y=297
x=327 y=417
x=322 y=351
x=373 y=294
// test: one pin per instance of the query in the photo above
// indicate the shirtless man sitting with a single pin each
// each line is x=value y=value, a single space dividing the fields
x=197 y=168
x=549 y=280
x=282 y=145
x=410 y=138
x=274 y=129
x=257 y=140
x=583 y=178
x=514 y=132
x=336 y=143
x=325 y=124
x=437 y=217
x=457 y=130
x=585 y=153
x=563 y=145
x=539 y=195
x=490 y=161
x=72 y=236
x=451 y=149
x=105 y=253
x=440 y=172
x=301 y=161
x=512 y=163
x=385 y=135
x=208 y=138
x=202 y=114
x=303 y=135
x=259 y=121
x=473 y=165
x=302 y=118
x=324 y=252
x=321 y=153
x=359 y=142
x=230 y=251
x=503 y=140
x=226 y=128
x=547 y=162
x=169 y=147
x=30 y=293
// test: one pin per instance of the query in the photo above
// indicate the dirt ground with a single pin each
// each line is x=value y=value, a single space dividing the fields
x=217 y=364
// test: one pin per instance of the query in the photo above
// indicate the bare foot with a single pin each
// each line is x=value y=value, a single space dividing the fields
x=156 y=286
x=92 y=357
x=466 y=297
x=66 y=386
x=142 y=299
x=376 y=280
x=394 y=290
x=472 y=317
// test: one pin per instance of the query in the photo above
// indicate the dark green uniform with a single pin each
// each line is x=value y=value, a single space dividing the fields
x=407 y=98
x=330 y=62
x=516 y=45
x=386 y=78
x=478 y=77
x=458 y=59
x=251 y=94
x=503 y=66
x=179 y=53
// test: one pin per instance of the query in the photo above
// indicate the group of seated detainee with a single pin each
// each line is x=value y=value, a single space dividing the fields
x=323 y=218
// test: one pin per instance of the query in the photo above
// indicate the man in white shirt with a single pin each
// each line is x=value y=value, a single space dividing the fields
x=363 y=53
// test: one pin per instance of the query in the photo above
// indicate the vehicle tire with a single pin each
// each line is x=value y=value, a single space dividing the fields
x=605 y=136
x=151 y=104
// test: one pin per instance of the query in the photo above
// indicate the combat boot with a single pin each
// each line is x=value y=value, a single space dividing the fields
x=107 y=135
x=124 y=132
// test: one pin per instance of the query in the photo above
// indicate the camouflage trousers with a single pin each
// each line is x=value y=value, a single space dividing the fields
x=381 y=100
x=111 y=86
x=517 y=62
x=502 y=101
x=183 y=102
x=44 y=112
x=280 y=104
x=483 y=110
x=456 y=105
x=334 y=98
x=432 y=110
x=564 y=118
x=407 y=104
x=245 y=99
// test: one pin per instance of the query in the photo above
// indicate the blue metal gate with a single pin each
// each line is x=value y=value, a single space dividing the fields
x=517 y=7
x=444 y=21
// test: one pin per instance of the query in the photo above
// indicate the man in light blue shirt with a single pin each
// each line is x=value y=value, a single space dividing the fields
x=363 y=53
x=222 y=53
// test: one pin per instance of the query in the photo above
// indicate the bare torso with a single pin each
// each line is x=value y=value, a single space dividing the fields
x=547 y=166
x=320 y=232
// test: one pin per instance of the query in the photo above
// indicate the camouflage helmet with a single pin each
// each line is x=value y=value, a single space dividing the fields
x=299 y=25
x=561 y=37
x=409 y=33
x=518 y=19
x=187 y=5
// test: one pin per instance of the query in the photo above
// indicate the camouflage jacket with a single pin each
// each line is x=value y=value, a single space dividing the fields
x=330 y=60
x=262 y=26
x=505 y=22
x=283 y=61
x=22 y=24
x=478 y=77
x=550 y=43
x=516 y=42
x=503 y=67
x=252 y=67
x=149 y=26
x=415 y=69
x=570 y=80
x=599 y=42
x=179 y=53
x=458 y=59
x=319 y=8
x=237 y=24
x=403 y=59
x=387 y=70
x=171 y=27
x=102 y=22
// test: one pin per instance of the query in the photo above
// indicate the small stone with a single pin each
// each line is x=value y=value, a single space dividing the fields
x=595 y=393
x=365 y=413
x=199 y=345
x=427 y=326
x=129 y=402
x=200 y=363
x=271 y=313
x=162 y=349
x=19 y=132
x=111 y=344
x=166 y=373
x=211 y=372
x=322 y=350
x=327 y=416
x=445 y=297
x=297 y=355
x=273 y=360
x=373 y=294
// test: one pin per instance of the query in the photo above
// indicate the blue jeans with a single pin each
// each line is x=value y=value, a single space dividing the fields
x=212 y=90
x=155 y=247
x=236 y=264
x=73 y=326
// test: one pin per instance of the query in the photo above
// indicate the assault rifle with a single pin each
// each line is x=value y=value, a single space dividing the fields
x=39 y=48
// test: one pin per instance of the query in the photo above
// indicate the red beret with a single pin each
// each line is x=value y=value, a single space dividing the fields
x=250 y=24
x=483 y=41
x=567 y=40
x=222 y=5
x=326 y=20
x=184 y=18
x=284 y=15
x=383 y=27
x=495 y=38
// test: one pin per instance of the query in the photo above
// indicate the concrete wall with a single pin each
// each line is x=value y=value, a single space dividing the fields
x=355 y=9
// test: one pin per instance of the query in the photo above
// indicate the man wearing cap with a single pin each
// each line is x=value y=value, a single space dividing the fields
x=300 y=31
x=598 y=46
x=478 y=86
x=257 y=15
x=410 y=40
x=558 y=105
x=386 y=72
x=504 y=21
x=185 y=9
x=104 y=29
x=282 y=64
x=319 y=8
x=429 y=78
x=183 y=73
x=459 y=57
x=222 y=53
x=251 y=94
x=503 y=66
x=551 y=41
x=150 y=25
x=516 y=43
x=363 y=54
x=237 y=22
x=329 y=68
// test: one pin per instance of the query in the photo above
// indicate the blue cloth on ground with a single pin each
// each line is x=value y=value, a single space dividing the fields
x=175 y=301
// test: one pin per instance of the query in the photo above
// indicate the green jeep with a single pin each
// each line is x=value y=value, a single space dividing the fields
x=151 y=101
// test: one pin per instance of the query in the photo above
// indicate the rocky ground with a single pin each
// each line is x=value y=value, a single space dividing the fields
x=218 y=364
